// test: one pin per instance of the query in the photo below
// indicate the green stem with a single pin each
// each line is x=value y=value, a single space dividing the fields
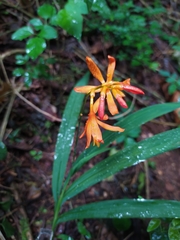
x=59 y=203
x=57 y=210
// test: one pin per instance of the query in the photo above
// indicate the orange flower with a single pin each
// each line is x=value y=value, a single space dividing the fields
x=92 y=129
x=108 y=89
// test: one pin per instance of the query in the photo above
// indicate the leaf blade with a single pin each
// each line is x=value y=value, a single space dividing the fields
x=22 y=33
x=128 y=208
x=135 y=119
x=125 y=158
x=65 y=136
x=35 y=46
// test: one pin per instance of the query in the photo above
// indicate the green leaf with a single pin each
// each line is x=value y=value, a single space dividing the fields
x=125 y=208
x=6 y=205
x=76 y=6
x=101 y=7
x=22 y=33
x=35 y=46
x=174 y=230
x=134 y=133
x=172 y=88
x=164 y=73
x=124 y=158
x=153 y=224
x=83 y=231
x=36 y=23
x=54 y=20
x=65 y=137
x=89 y=4
x=3 y=151
x=17 y=72
x=177 y=47
x=121 y=224
x=130 y=122
x=154 y=66
x=70 y=18
x=48 y=32
x=176 y=223
x=27 y=79
x=129 y=142
x=70 y=22
x=21 y=59
x=172 y=78
x=64 y=237
x=7 y=227
x=46 y=11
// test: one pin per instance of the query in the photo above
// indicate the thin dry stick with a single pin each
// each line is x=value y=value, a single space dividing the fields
x=18 y=9
x=1 y=236
x=128 y=236
x=6 y=116
x=9 y=53
x=36 y=108
x=170 y=124
x=4 y=71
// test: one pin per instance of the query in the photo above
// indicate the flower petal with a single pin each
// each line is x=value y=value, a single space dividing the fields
x=96 y=105
x=94 y=69
x=109 y=127
x=111 y=104
x=126 y=82
x=111 y=67
x=101 y=107
x=82 y=134
x=88 y=133
x=133 y=89
x=121 y=102
x=96 y=142
x=84 y=89
x=118 y=95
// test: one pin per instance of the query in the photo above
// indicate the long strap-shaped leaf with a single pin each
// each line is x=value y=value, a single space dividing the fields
x=129 y=123
x=139 y=152
x=65 y=137
x=125 y=209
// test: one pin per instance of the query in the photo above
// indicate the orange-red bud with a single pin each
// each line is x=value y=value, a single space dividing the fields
x=132 y=89
x=101 y=107
x=122 y=102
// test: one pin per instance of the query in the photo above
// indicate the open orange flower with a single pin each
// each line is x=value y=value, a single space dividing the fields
x=92 y=129
x=108 y=89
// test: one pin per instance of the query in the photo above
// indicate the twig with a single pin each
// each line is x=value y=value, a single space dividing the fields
x=170 y=124
x=4 y=55
x=128 y=236
x=9 y=53
x=37 y=3
x=1 y=236
x=56 y=5
x=36 y=108
x=6 y=116
x=18 y=9
x=4 y=71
